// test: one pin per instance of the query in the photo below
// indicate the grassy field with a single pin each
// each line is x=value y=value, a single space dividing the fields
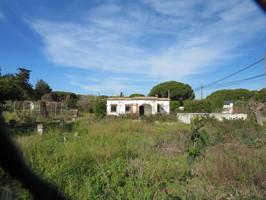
x=131 y=159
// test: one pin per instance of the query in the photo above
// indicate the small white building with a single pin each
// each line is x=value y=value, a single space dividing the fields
x=137 y=105
x=228 y=107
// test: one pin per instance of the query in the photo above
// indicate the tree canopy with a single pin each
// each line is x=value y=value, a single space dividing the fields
x=9 y=89
x=178 y=91
x=42 y=88
x=261 y=95
x=218 y=97
x=137 y=95
x=22 y=78
x=16 y=86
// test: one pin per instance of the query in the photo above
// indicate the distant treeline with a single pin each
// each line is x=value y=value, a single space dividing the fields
x=17 y=87
x=214 y=102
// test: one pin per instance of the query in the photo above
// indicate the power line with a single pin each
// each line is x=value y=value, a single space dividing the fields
x=235 y=73
x=242 y=80
x=230 y=75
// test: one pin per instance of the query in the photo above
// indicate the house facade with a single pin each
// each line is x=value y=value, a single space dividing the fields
x=137 y=105
x=228 y=107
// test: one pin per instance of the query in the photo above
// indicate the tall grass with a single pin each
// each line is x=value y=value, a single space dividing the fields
x=128 y=159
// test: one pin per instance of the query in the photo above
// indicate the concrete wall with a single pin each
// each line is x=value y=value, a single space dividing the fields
x=121 y=105
x=187 y=117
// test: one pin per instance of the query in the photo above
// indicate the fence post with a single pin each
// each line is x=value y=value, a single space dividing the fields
x=40 y=129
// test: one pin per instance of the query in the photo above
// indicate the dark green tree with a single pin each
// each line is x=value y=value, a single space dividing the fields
x=22 y=79
x=42 y=88
x=261 y=95
x=9 y=89
x=178 y=91
x=67 y=97
x=217 y=98
x=137 y=95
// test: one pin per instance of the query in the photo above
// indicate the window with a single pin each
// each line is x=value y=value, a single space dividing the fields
x=128 y=108
x=158 y=108
x=113 y=108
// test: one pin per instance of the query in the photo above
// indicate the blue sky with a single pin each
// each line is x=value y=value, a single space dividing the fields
x=104 y=47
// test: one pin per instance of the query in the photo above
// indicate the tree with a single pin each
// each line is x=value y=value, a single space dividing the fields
x=136 y=95
x=42 y=88
x=22 y=79
x=9 y=89
x=178 y=91
x=260 y=95
x=174 y=106
x=68 y=97
x=217 y=98
x=234 y=94
x=23 y=76
x=100 y=108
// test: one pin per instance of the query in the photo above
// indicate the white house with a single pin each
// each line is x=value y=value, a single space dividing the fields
x=137 y=105
x=228 y=107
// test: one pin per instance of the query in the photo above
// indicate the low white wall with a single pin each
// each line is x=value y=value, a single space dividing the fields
x=187 y=117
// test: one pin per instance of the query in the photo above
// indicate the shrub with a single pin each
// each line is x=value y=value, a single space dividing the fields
x=100 y=108
x=197 y=106
x=260 y=95
x=174 y=105
x=10 y=116
x=198 y=142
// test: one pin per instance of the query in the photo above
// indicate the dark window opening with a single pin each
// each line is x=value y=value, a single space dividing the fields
x=113 y=108
x=128 y=108
x=141 y=110
x=158 y=108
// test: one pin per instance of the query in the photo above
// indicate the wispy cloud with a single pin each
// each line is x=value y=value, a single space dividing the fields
x=156 y=39
x=2 y=15
x=111 y=85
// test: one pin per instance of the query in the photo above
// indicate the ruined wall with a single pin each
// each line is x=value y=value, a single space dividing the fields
x=120 y=109
x=187 y=117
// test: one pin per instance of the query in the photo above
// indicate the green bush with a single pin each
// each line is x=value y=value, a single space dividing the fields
x=174 y=105
x=260 y=95
x=100 y=108
x=9 y=116
x=199 y=106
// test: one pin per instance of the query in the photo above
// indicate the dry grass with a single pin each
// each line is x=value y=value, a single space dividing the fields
x=127 y=159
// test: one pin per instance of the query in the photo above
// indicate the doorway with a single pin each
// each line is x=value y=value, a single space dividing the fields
x=145 y=109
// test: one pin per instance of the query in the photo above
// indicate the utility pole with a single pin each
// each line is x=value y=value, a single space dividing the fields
x=201 y=91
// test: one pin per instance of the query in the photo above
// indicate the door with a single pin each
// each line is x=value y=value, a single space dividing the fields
x=141 y=110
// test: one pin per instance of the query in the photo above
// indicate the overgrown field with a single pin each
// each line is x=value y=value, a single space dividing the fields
x=131 y=159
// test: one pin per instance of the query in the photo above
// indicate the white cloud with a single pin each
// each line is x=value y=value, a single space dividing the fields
x=99 y=86
x=187 y=38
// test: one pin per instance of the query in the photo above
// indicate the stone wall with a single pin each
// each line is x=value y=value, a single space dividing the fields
x=187 y=117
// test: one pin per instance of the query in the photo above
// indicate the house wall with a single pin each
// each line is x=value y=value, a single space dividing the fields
x=228 y=108
x=120 y=109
